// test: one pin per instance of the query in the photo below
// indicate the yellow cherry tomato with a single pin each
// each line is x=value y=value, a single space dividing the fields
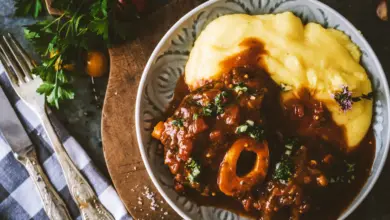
x=97 y=64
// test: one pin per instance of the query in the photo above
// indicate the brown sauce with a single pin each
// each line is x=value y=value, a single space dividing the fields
x=325 y=179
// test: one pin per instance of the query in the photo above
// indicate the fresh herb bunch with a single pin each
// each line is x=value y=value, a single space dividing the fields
x=32 y=8
x=62 y=40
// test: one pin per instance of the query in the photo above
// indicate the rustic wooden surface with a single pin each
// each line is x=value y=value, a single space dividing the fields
x=127 y=63
x=124 y=161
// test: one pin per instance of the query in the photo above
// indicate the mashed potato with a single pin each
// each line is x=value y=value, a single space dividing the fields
x=301 y=56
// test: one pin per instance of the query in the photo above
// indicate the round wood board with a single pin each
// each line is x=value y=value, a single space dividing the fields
x=120 y=146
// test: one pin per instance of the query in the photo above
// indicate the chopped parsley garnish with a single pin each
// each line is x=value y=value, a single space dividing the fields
x=257 y=133
x=254 y=131
x=350 y=167
x=178 y=122
x=338 y=179
x=207 y=110
x=195 y=116
x=242 y=129
x=219 y=110
x=193 y=170
x=283 y=170
x=349 y=177
x=285 y=87
x=290 y=145
x=217 y=106
x=240 y=88
x=220 y=98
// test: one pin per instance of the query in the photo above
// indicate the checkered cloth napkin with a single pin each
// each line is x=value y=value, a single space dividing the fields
x=18 y=198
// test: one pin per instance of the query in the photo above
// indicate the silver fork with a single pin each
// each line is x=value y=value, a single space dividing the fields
x=18 y=66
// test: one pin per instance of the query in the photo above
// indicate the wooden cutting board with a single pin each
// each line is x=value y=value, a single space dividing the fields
x=120 y=146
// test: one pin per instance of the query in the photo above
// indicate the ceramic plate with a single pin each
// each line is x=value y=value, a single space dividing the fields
x=167 y=64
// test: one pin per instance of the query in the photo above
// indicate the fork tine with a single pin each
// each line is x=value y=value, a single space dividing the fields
x=21 y=62
x=8 y=70
x=11 y=63
x=22 y=52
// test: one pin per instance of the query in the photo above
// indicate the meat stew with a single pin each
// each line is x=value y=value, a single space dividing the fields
x=234 y=143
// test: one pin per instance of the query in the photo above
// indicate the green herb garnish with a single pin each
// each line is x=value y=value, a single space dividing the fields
x=217 y=106
x=257 y=133
x=193 y=170
x=207 y=110
x=219 y=102
x=254 y=131
x=242 y=129
x=350 y=167
x=291 y=144
x=283 y=170
x=178 y=122
x=240 y=88
x=62 y=40
x=32 y=8
x=368 y=96
x=195 y=116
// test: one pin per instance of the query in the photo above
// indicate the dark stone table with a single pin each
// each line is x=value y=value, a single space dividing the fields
x=82 y=115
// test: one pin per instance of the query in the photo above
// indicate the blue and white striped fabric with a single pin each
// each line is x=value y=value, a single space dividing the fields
x=18 y=197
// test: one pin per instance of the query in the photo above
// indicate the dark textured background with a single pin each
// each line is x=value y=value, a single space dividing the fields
x=82 y=116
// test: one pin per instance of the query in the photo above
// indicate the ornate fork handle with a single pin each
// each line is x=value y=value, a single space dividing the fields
x=52 y=203
x=82 y=193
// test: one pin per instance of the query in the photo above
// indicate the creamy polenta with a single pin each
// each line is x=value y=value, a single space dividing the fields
x=300 y=56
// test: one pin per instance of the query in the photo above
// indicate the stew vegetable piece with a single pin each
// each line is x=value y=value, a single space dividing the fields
x=234 y=141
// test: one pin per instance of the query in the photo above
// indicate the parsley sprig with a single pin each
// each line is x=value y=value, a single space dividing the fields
x=58 y=41
x=32 y=8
